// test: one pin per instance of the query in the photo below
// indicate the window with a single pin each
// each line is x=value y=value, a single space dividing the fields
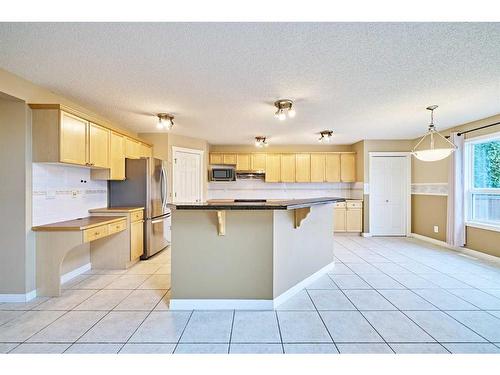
x=482 y=180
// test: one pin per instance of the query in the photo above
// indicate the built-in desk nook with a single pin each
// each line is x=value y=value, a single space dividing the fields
x=115 y=240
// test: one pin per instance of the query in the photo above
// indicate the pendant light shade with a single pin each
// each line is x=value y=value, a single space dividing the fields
x=433 y=153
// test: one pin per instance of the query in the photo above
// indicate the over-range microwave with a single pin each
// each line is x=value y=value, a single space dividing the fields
x=222 y=174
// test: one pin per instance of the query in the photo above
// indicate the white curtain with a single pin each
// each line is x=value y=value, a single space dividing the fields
x=455 y=232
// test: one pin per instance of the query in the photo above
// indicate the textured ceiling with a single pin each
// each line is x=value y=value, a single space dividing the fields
x=363 y=80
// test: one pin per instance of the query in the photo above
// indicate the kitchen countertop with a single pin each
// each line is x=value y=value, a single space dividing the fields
x=115 y=209
x=78 y=224
x=269 y=204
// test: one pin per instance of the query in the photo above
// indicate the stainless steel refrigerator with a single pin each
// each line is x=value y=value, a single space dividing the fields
x=145 y=185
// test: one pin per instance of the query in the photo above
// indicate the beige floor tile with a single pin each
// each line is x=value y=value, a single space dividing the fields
x=69 y=327
x=156 y=282
x=104 y=300
x=7 y=347
x=97 y=271
x=96 y=282
x=29 y=323
x=143 y=268
x=40 y=349
x=164 y=270
x=68 y=300
x=6 y=316
x=128 y=282
x=164 y=304
x=93 y=349
x=116 y=327
x=142 y=300
x=162 y=326
x=75 y=280
x=19 y=306
x=147 y=349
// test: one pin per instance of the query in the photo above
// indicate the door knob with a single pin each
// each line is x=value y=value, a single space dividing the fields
x=387 y=201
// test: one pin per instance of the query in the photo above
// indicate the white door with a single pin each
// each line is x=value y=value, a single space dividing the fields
x=388 y=195
x=187 y=182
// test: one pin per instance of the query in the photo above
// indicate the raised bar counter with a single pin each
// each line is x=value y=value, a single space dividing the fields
x=248 y=254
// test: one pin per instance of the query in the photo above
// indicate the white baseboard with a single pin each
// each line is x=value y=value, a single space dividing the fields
x=30 y=295
x=366 y=234
x=221 y=304
x=78 y=271
x=301 y=285
x=247 y=304
x=18 y=297
x=463 y=250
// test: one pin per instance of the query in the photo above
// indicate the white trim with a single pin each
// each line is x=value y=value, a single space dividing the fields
x=202 y=168
x=366 y=234
x=463 y=250
x=247 y=304
x=406 y=155
x=221 y=304
x=481 y=225
x=76 y=272
x=26 y=297
x=301 y=285
x=479 y=138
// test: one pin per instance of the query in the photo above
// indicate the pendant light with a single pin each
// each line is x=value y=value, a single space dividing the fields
x=432 y=153
x=165 y=121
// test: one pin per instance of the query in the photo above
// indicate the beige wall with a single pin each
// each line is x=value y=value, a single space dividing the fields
x=486 y=241
x=427 y=211
x=17 y=273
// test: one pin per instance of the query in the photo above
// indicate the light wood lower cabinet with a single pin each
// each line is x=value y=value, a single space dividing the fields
x=136 y=239
x=348 y=216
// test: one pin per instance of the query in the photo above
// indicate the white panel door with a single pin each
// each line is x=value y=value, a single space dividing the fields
x=187 y=177
x=388 y=195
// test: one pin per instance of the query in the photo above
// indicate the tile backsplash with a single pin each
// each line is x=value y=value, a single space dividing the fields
x=63 y=192
x=258 y=189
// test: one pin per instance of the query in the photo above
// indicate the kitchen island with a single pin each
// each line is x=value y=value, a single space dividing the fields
x=239 y=254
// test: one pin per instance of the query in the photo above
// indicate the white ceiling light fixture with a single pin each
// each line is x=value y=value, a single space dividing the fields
x=432 y=153
x=326 y=136
x=165 y=121
x=284 y=109
x=261 y=142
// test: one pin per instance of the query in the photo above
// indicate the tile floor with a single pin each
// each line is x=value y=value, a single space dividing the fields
x=384 y=295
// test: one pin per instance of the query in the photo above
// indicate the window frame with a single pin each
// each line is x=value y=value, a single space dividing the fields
x=470 y=190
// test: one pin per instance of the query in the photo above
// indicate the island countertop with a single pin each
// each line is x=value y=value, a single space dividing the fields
x=255 y=204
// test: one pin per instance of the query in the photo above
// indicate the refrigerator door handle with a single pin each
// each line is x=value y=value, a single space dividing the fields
x=162 y=189
x=164 y=186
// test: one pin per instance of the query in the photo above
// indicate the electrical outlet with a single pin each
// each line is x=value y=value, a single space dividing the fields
x=74 y=193
x=436 y=229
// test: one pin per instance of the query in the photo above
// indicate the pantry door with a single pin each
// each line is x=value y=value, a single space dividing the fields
x=389 y=198
x=187 y=175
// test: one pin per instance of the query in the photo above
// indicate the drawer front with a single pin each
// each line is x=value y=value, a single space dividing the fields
x=136 y=216
x=117 y=227
x=354 y=204
x=95 y=233
x=339 y=205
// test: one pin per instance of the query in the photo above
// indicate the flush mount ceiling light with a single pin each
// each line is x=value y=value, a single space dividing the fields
x=165 y=121
x=261 y=142
x=433 y=153
x=326 y=136
x=284 y=109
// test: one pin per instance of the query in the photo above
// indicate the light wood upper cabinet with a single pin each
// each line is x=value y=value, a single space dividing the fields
x=73 y=139
x=318 y=162
x=273 y=167
x=332 y=168
x=229 y=159
x=117 y=157
x=98 y=146
x=216 y=158
x=145 y=151
x=258 y=162
x=302 y=167
x=132 y=148
x=287 y=168
x=243 y=162
x=348 y=167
